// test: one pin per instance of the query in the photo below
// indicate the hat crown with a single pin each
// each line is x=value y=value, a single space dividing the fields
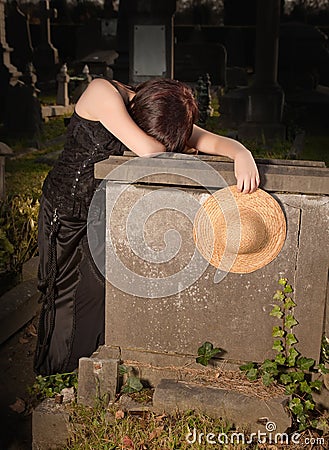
x=238 y=232
x=253 y=233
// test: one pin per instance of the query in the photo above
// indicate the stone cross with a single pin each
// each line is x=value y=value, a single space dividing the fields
x=8 y=73
x=19 y=36
x=46 y=55
x=63 y=79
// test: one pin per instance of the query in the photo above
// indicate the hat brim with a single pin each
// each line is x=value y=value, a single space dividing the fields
x=217 y=223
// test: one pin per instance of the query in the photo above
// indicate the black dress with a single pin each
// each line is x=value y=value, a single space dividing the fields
x=71 y=323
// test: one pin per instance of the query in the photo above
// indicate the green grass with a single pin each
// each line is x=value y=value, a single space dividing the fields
x=103 y=428
x=110 y=428
x=24 y=174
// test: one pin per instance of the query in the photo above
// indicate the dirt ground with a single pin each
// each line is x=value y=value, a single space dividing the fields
x=16 y=374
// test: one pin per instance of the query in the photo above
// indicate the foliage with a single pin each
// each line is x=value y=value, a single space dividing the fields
x=18 y=232
x=325 y=349
x=289 y=368
x=19 y=210
x=105 y=427
x=133 y=383
x=53 y=128
x=51 y=385
x=206 y=352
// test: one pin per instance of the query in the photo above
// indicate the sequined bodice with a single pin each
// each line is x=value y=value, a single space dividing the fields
x=70 y=185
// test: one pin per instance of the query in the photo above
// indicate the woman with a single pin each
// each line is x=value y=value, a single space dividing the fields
x=157 y=116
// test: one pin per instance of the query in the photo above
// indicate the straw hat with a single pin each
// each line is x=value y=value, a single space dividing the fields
x=238 y=232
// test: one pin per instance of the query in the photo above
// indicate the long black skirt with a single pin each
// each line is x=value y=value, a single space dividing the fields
x=71 y=322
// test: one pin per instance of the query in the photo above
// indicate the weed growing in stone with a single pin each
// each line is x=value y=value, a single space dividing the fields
x=132 y=383
x=50 y=386
x=206 y=352
x=289 y=368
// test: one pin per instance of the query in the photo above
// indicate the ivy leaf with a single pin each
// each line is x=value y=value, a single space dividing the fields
x=291 y=339
x=289 y=303
x=267 y=379
x=291 y=360
x=322 y=369
x=252 y=374
x=280 y=359
x=305 y=363
x=309 y=405
x=251 y=371
x=277 y=332
x=270 y=367
x=133 y=384
x=123 y=370
x=283 y=281
x=316 y=385
x=278 y=296
x=276 y=312
x=302 y=420
x=297 y=376
x=290 y=321
x=290 y=389
x=287 y=289
x=304 y=387
x=285 y=378
x=206 y=352
x=295 y=405
x=248 y=366
x=325 y=348
x=277 y=345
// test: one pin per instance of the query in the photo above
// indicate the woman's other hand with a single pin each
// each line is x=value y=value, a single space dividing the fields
x=246 y=172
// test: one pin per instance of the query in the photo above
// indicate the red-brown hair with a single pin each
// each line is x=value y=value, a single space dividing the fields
x=166 y=110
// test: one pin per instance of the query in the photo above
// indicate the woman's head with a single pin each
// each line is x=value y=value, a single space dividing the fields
x=166 y=110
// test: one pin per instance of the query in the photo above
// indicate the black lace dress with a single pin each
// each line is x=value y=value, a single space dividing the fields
x=73 y=290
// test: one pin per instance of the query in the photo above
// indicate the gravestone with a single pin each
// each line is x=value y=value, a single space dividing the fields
x=23 y=117
x=163 y=300
x=196 y=56
x=265 y=98
x=21 y=111
x=145 y=40
x=63 y=79
x=19 y=37
x=8 y=72
x=45 y=56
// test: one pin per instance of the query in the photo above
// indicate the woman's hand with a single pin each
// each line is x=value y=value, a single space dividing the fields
x=246 y=172
x=245 y=168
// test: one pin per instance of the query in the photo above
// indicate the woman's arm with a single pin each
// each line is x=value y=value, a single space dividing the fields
x=102 y=102
x=245 y=168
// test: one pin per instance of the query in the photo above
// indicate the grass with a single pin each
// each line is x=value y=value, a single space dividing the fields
x=24 y=173
x=107 y=427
